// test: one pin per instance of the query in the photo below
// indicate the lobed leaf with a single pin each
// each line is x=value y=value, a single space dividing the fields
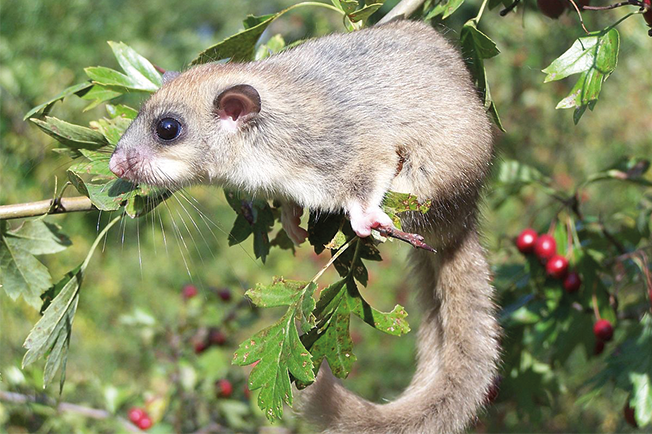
x=40 y=238
x=279 y=352
x=51 y=334
x=139 y=69
x=444 y=8
x=21 y=274
x=280 y=293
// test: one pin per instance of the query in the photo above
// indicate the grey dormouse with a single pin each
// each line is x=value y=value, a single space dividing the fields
x=331 y=125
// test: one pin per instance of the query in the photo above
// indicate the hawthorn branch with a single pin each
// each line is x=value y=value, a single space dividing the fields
x=92 y=413
x=50 y=206
x=615 y=5
x=415 y=240
x=402 y=10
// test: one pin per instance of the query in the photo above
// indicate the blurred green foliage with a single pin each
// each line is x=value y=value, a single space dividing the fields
x=133 y=331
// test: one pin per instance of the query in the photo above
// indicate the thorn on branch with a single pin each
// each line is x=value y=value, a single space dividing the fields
x=509 y=8
x=415 y=240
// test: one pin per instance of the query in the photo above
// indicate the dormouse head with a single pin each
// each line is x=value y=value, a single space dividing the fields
x=188 y=129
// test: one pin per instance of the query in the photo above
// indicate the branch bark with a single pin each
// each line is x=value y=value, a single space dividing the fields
x=51 y=206
x=402 y=10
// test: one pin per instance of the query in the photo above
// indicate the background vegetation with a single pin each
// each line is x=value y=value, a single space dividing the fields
x=135 y=336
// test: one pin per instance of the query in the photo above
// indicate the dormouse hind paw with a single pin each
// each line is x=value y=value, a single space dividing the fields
x=363 y=220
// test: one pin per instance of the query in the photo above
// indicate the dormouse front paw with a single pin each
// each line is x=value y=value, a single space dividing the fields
x=363 y=220
x=290 y=219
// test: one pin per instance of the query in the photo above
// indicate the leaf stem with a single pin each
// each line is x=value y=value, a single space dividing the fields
x=476 y=20
x=98 y=239
x=324 y=5
x=333 y=259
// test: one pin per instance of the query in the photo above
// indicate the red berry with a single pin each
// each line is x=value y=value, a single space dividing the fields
x=189 y=291
x=135 y=414
x=551 y=8
x=224 y=388
x=200 y=346
x=224 y=294
x=648 y=14
x=557 y=267
x=598 y=348
x=545 y=247
x=144 y=423
x=525 y=241
x=572 y=282
x=628 y=412
x=216 y=337
x=603 y=330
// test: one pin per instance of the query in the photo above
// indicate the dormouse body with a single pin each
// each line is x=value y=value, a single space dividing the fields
x=332 y=125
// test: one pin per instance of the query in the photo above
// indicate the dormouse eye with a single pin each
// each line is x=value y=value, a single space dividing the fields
x=168 y=129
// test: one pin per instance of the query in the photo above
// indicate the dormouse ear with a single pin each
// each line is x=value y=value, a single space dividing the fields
x=170 y=75
x=237 y=104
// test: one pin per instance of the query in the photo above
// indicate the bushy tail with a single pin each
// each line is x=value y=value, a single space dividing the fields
x=457 y=353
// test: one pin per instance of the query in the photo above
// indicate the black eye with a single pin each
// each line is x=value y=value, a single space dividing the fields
x=168 y=129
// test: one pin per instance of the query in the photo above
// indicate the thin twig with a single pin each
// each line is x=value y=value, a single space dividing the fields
x=615 y=5
x=415 y=239
x=50 y=206
x=579 y=14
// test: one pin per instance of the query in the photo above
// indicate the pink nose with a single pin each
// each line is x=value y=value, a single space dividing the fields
x=118 y=164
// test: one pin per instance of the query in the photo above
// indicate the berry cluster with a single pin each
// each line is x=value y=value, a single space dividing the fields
x=140 y=418
x=545 y=248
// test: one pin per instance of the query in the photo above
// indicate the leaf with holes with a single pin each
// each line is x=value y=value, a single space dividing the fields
x=279 y=353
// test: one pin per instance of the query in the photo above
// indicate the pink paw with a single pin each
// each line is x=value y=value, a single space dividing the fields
x=364 y=220
x=290 y=219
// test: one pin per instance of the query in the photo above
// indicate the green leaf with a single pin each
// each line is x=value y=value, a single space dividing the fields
x=51 y=334
x=99 y=94
x=40 y=238
x=280 y=352
x=144 y=199
x=631 y=369
x=476 y=46
x=139 y=69
x=335 y=344
x=72 y=136
x=112 y=129
x=445 y=8
x=21 y=274
x=625 y=169
x=78 y=89
x=322 y=228
x=594 y=57
x=275 y=45
x=280 y=293
x=365 y=12
x=105 y=194
x=242 y=45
